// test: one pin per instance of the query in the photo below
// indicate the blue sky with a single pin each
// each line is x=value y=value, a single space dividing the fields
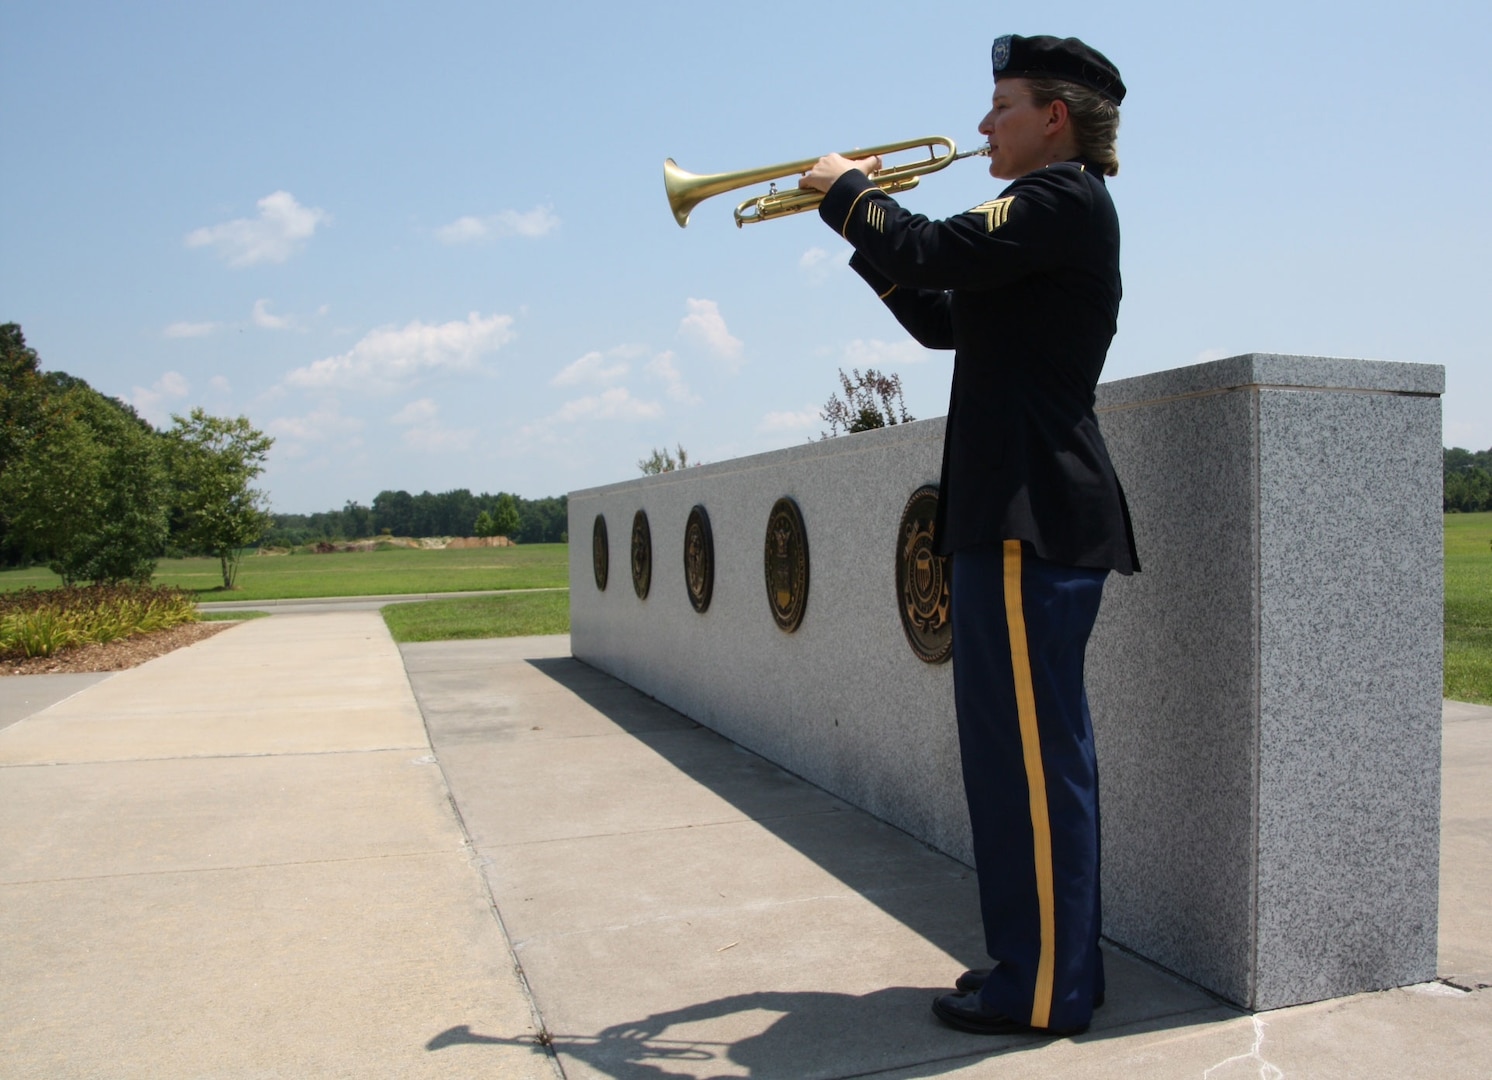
x=427 y=247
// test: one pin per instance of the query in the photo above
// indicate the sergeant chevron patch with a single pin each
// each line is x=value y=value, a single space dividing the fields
x=875 y=216
x=995 y=212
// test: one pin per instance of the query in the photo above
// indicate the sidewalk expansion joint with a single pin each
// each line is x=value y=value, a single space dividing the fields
x=474 y=860
x=458 y=851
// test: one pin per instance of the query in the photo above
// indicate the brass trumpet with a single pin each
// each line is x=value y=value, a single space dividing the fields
x=687 y=190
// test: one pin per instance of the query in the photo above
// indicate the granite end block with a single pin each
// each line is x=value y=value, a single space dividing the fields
x=1350 y=622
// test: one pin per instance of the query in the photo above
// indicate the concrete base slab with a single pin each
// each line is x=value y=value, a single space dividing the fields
x=607 y=785
x=241 y=860
x=114 y=818
x=1415 y=1032
x=292 y=684
x=1466 y=846
x=23 y=695
x=344 y=968
x=681 y=908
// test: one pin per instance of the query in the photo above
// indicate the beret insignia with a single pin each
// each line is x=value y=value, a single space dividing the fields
x=1000 y=52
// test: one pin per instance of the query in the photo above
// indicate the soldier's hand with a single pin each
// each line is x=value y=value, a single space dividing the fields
x=830 y=168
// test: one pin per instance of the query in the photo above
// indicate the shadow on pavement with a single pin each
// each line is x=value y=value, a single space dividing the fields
x=808 y=1039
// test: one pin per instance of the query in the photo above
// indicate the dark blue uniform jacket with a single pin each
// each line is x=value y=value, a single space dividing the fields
x=1025 y=289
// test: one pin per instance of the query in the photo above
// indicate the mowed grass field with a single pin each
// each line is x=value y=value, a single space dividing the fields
x=399 y=571
x=1468 y=607
x=513 y=615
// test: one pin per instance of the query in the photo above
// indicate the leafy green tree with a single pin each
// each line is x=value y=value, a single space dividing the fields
x=84 y=485
x=214 y=461
x=1467 y=477
x=22 y=391
x=505 y=518
x=484 y=526
x=394 y=511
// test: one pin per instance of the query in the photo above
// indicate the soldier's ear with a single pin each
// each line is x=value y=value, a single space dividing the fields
x=1057 y=116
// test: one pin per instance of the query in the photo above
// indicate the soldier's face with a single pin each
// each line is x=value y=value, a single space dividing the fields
x=1016 y=128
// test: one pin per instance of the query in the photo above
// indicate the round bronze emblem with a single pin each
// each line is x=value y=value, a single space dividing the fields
x=642 y=555
x=600 y=554
x=923 y=580
x=699 y=559
x=787 y=564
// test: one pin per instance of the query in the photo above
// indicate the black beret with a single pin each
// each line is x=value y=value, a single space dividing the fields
x=1050 y=57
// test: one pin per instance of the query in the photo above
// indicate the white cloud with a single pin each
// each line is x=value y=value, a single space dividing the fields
x=817 y=264
x=424 y=433
x=151 y=402
x=319 y=425
x=219 y=385
x=592 y=367
x=391 y=357
x=1208 y=355
x=614 y=404
x=416 y=412
x=884 y=355
x=281 y=229
x=263 y=318
x=788 y=421
x=434 y=439
x=705 y=326
x=662 y=367
x=189 y=329
x=466 y=230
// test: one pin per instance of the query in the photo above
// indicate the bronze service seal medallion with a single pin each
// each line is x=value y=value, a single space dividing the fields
x=923 y=580
x=600 y=554
x=787 y=564
x=642 y=555
x=699 y=559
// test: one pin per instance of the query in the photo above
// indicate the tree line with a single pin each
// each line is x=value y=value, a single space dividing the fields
x=1467 y=476
x=449 y=513
x=91 y=489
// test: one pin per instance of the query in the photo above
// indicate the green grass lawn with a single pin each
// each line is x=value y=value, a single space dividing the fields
x=480 y=617
x=360 y=573
x=1468 y=607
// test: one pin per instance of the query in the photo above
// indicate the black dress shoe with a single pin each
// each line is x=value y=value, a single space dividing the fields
x=972 y=981
x=968 y=1012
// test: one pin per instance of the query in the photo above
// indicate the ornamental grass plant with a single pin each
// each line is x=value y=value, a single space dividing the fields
x=42 y=622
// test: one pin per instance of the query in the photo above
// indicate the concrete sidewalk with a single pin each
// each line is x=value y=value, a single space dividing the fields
x=243 y=859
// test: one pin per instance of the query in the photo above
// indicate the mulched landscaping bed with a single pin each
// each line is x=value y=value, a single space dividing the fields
x=114 y=656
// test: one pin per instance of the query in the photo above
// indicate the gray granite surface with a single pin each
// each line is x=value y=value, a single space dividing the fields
x=1173 y=689
x=1265 y=693
x=1350 y=538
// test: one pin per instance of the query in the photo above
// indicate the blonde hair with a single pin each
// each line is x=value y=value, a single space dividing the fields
x=1095 y=119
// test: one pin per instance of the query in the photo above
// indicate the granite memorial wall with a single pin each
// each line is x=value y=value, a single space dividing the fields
x=1265 y=694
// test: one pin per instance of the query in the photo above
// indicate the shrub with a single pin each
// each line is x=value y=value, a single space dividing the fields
x=42 y=622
